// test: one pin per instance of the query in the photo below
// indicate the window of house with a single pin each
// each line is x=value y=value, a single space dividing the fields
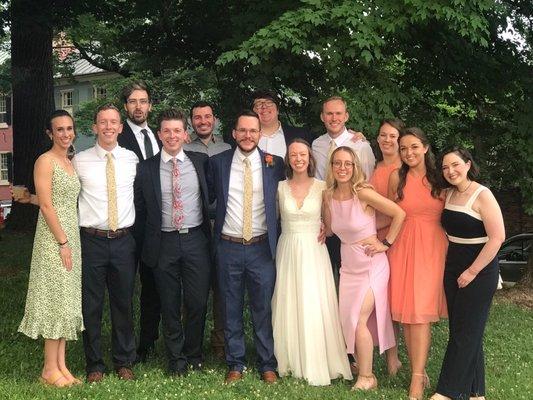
x=4 y=162
x=67 y=101
x=99 y=92
x=3 y=109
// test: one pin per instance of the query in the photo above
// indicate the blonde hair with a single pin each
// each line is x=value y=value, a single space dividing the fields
x=358 y=180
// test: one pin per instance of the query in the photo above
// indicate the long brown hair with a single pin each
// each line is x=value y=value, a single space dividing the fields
x=432 y=176
x=397 y=124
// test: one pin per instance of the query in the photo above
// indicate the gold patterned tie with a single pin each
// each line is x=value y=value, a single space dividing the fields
x=112 y=212
x=332 y=146
x=248 y=198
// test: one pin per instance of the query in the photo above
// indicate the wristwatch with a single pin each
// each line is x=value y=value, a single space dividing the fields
x=386 y=243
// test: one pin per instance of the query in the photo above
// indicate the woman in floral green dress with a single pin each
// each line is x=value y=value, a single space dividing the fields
x=53 y=303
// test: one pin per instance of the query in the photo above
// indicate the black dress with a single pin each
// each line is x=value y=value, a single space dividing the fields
x=463 y=370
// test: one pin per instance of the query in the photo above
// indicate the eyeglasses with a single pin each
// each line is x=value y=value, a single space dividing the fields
x=345 y=164
x=134 y=102
x=264 y=104
x=244 y=131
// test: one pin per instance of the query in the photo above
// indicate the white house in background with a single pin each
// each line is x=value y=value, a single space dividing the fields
x=85 y=84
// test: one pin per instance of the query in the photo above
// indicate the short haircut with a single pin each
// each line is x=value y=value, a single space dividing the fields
x=172 y=114
x=130 y=87
x=246 y=113
x=265 y=94
x=334 y=98
x=105 y=107
x=311 y=168
x=57 y=114
x=200 y=104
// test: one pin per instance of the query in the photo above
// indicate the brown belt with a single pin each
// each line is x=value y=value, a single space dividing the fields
x=106 y=234
x=245 y=242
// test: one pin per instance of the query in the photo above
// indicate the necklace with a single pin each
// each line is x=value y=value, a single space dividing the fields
x=462 y=191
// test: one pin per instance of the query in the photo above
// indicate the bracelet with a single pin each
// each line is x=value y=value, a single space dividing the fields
x=61 y=245
x=386 y=243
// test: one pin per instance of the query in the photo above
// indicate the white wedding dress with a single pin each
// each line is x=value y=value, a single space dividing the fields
x=308 y=341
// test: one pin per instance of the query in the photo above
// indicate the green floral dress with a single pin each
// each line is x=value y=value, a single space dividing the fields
x=53 y=303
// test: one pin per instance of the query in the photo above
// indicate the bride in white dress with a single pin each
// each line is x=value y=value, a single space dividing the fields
x=308 y=341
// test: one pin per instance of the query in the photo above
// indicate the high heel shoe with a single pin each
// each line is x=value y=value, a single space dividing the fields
x=425 y=385
x=373 y=386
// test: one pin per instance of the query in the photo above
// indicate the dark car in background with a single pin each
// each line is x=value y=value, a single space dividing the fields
x=513 y=256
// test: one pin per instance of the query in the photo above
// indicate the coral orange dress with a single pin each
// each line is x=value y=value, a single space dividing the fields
x=380 y=181
x=417 y=257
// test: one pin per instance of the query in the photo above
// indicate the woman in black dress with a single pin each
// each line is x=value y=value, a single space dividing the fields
x=473 y=222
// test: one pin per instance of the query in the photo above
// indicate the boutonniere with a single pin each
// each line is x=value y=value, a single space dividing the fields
x=269 y=160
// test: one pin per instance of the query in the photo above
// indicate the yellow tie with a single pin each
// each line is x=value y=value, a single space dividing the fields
x=112 y=213
x=332 y=146
x=248 y=198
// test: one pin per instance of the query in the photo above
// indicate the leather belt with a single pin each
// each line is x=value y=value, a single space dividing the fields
x=183 y=231
x=106 y=234
x=243 y=241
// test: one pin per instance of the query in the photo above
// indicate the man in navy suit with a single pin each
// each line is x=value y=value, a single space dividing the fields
x=275 y=136
x=171 y=203
x=138 y=137
x=244 y=182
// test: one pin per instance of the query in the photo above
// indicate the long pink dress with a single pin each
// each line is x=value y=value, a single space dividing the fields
x=360 y=273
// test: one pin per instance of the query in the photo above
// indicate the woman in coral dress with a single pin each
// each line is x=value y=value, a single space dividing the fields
x=388 y=160
x=417 y=257
x=308 y=340
x=349 y=212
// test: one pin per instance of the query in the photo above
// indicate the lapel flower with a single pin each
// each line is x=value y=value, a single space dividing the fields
x=269 y=160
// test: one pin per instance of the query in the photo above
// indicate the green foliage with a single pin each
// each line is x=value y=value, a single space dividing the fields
x=509 y=366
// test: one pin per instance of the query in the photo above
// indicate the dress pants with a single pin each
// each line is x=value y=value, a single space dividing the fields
x=463 y=371
x=251 y=267
x=108 y=263
x=150 y=308
x=184 y=267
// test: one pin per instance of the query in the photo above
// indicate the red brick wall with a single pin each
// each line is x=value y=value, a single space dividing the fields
x=516 y=220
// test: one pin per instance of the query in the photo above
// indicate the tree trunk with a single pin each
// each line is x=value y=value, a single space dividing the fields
x=33 y=95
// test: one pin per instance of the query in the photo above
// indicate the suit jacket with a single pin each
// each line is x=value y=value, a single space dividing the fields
x=148 y=204
x=218 y=182
x=127 y=139
x=293 y=132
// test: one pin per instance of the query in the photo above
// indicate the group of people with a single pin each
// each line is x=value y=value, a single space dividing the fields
x=411 y=244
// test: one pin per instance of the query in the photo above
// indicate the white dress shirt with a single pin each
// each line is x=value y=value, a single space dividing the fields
x=136 y=129
x=234 y=210
x=361 y=148
x=90 y=166
x=274 y=144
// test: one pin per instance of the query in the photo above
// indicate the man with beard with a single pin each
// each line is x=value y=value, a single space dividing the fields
x=244 y=182
x=138 y=137
x=203 y=122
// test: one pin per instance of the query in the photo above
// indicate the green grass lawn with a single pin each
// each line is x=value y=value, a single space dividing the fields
x=508 y=350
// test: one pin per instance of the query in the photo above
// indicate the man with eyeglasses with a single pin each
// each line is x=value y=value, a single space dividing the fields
x=275 y=137
x=138 y=137
x=244 y=182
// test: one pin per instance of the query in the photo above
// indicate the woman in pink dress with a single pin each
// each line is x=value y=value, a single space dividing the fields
x=349 y=212
x=417 y=257
x=388 y=160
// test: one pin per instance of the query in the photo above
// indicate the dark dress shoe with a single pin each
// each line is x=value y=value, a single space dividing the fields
x=143 y=353
x=269 y=377
x=233 y=376
x=125 y=373
x=94 y=377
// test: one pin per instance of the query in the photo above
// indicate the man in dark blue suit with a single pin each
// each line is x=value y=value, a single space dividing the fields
x=171 y=203
x=244 y=182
